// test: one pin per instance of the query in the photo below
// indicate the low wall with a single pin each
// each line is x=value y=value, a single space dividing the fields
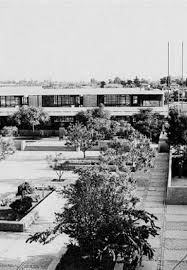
x=175 y=194
x=40 y=133
x=20 y=144
x=26 y=221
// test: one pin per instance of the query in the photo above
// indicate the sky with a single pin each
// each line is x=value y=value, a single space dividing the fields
x=76 y=40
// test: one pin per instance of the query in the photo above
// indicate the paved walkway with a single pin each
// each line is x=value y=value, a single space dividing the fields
x=171 y=245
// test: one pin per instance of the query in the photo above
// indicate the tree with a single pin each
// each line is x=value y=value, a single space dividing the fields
x=129 y=156
x=148 y=123
x=177 y=128
x=30 y=116
x=84 y=117
x=80 y=136
x=117 y=80
x=102 y=84
x=137 y=82
x=101 y=215
x=105 y=127
x=57 y=164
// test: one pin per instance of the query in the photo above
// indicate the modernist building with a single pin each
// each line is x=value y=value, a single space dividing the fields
x=63 y=104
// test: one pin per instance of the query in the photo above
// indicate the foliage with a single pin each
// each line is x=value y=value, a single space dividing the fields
x=30 y=116
x=81 y=136
x=83 y=117
x=137 y=82
x=57 y=164
x=126 y=131
x=21 y=206
x=7 y=147
x=129 y=155
x=106 y=128
x=9 y=131
x=177 y=128
x=24 y=189
x=148 y=123
x=101 y=216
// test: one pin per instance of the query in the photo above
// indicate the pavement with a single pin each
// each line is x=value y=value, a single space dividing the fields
x=170 y=246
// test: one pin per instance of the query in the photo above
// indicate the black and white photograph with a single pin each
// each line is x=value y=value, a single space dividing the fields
x=93 y=135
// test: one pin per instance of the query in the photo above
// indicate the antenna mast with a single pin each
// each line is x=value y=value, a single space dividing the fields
x=182 y=74
x=168 y=78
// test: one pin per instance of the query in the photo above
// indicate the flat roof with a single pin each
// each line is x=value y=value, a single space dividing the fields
x=38 y=90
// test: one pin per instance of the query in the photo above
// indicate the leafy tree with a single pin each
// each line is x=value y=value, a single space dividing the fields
x=80 y=136
x=117 y=80
x=129 y=155
x=137 y=82
x=148 y=123
x=102 y=217
x=83 y=117
x=105 y=127
x=30 y=116
x=177 y=128
x=129 y=82
x=123 y=82
x=102 y=84
x=57 y=164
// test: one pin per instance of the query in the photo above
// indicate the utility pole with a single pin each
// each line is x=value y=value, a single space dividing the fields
x=168 y=80
x=182 y=75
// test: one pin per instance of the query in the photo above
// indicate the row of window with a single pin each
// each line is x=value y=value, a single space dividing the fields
x=60 y=100
x=77 y=101
x=12 y=101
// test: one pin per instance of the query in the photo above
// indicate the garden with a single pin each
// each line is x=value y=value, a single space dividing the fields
x=15 y=206
x=101 y=216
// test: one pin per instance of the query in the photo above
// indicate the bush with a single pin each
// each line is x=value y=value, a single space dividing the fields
x=7 y=147
x=9 y=131
x=25 y=189
x=21 y=206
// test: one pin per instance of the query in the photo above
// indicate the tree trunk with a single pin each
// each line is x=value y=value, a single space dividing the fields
x=84 y=152
x=33 y=129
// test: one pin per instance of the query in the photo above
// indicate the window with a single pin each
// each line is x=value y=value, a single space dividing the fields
x=24 y=101
x=9 y=101
x=151 y=103
x=60 y=100
x=135 y=100
x=117 y=100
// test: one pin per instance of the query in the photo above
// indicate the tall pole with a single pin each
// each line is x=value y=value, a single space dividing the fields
x=168 y=77
x=182 y=74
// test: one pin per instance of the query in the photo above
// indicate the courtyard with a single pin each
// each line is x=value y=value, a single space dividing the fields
x=170 y=246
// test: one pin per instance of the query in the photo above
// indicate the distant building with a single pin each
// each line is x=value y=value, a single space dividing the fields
x=63 y=104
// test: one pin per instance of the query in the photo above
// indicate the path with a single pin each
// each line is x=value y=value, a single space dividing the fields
x=171 y=245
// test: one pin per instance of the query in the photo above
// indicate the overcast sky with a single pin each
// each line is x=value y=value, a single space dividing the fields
x=82 y=39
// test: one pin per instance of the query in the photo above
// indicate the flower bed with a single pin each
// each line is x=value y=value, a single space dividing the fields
x=12 y=221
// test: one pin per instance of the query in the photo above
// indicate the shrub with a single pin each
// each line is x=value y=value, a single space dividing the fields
x=21 y=206
x=24 y=189
x=7 y=147
x=10 y=131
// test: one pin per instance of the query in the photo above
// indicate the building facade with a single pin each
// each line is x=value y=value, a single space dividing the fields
x=63 y=104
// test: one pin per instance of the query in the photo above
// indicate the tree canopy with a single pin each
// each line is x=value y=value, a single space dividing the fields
x=148 y=123
x=177 y=128
x=30 y=116
x=101 y=215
